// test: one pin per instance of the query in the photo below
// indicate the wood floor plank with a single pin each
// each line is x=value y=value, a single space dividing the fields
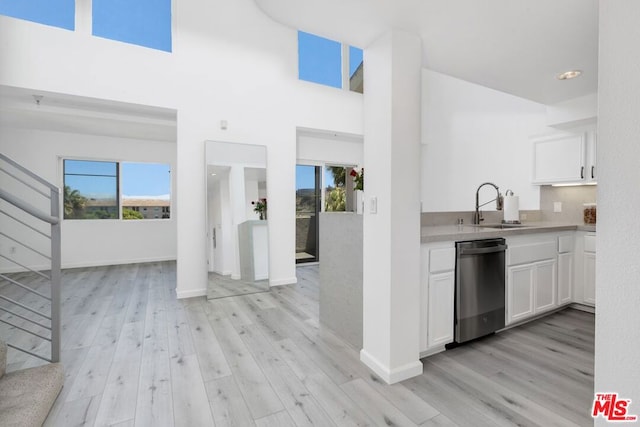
x=227 y=403
x=376 y=406
x=210 y=356
x=77 y=413
x=260 y=397
x=299 y=402
x=190 y=402
x=279 y=419
x=335 y=402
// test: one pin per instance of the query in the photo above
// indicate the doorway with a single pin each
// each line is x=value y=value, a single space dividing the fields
x=308 y=206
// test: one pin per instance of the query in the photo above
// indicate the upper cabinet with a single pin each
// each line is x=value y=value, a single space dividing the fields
x=565 y=158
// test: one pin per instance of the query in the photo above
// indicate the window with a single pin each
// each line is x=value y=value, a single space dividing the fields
x=90 y=190
x=56 y=13
x=356 y=69
x=146 y=189
x=325 y=61
x=335 y=196
x=97 y=189
x=319 y=60
x=142 y=22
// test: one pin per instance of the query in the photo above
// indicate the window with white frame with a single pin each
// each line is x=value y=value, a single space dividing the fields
x=116 y=190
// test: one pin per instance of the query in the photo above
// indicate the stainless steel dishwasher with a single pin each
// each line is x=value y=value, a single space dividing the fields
x=480 y=288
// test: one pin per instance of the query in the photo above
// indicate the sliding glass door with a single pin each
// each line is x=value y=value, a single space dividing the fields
x=308 y=205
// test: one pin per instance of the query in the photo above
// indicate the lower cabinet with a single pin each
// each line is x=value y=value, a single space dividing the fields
x=532 y=281
x=531 y=289
x=437 y=296
x=585 y=269
x=565 y=277
x=589 y=277
x=440 y=306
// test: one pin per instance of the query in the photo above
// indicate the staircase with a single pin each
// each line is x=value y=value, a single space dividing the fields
x=29 y=294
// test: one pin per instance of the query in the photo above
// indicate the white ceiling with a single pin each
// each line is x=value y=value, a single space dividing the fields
x=515 y=46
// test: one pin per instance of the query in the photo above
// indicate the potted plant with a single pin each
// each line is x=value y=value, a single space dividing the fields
x=260 y=206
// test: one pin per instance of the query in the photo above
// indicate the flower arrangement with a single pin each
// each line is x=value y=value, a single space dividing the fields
x=260 y=206
x=358 y=179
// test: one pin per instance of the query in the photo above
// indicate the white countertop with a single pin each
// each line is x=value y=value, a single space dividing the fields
x=444 y=233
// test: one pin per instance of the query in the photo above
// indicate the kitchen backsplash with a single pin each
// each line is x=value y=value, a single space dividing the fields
x=572 y=200
x=490 y=217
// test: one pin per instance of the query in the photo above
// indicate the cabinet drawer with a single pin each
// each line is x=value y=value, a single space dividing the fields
x=531 y=253
x=442 y=259
x=590 y=243
x=565 y=244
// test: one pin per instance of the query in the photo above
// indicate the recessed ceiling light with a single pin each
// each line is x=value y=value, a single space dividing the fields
x=213 y=174
x=567 y=75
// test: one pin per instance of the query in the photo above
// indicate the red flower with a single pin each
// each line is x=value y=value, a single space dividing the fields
x=353 y=172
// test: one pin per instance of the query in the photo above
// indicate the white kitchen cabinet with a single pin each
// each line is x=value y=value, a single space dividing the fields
x=531 y=276
x=440 y=306
x=565 y=268
x=520 y=284
x=559 y=158
x=437 y=293
x=565 y=277
x=545 y=286
x=565 y=157
x=584 y=288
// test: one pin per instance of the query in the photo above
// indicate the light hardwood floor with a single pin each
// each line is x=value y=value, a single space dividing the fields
x=134 y=355
x=224 y=286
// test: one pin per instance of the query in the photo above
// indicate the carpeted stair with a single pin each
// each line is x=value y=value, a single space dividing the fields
x=26 y=396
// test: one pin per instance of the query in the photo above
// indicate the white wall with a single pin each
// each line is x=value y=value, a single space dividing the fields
x=472 y=134
x=332 y=149
x=617 y=343
x=103 y=242
x=229 y=62
x=573 y=113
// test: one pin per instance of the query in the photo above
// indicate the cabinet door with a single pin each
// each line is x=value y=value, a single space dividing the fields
x=592 y=148
x=545 y=286
x=559 y=159
x=520 y=292
x=565 y=277
x=590 y=278
x=440 y=315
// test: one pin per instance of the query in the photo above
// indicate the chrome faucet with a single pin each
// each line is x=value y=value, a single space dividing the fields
x=477 y=216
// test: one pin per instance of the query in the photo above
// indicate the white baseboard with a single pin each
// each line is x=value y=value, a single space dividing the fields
x=235 y=277
x=88 y=264
x=282 y=282
x=391 y=376
x=192 y=293
x=262 y=277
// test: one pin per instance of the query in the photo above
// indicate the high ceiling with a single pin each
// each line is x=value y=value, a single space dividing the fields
x=515 y=46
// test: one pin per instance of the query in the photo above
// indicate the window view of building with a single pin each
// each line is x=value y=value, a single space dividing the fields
x=146 y=189
x=95 y=190
x=356 y=70
x=90 y=190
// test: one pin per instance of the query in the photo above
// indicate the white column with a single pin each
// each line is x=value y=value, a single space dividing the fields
x=617 y=342
x=391 y=253
x=239 y=214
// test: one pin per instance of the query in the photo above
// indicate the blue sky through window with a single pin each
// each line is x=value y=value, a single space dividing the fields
x=355 y=59
x=319 y=60
x=145 y=180
x=141 y=22
x=305 y=177
x=57 y=13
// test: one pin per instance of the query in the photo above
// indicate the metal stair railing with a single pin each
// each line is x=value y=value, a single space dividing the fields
x=23 y=314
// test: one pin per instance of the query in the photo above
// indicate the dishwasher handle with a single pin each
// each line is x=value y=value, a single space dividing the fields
x=487 y=250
